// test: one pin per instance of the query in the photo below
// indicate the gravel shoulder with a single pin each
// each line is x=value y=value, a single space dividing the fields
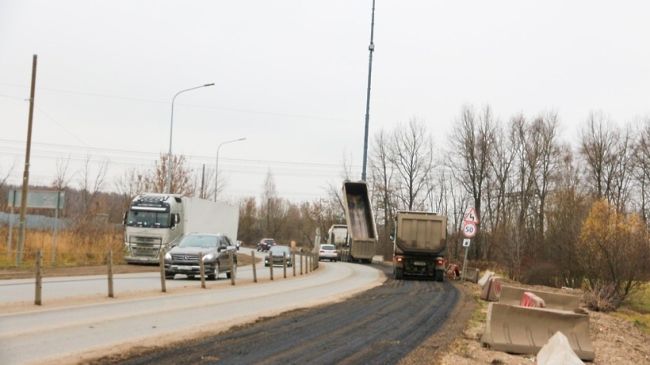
x=616 y=341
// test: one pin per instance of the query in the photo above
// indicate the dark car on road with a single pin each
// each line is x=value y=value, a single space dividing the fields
x=217 y=252
x=265 y=244
x=276 y=256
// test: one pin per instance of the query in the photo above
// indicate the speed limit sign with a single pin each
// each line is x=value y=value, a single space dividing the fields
x=469 y=230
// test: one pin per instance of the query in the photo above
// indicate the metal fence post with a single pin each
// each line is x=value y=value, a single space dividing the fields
x=110 y=273
x=293 y=263
x=202 y=270
x=301 y=263
x=233 y=270
x=254 y=267
x=39 y=278
x=284 y=264
x=271 y=265
x=161 y=256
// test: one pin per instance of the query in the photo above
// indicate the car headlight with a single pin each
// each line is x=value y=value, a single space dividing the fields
x=168 y=256
x=208 y=257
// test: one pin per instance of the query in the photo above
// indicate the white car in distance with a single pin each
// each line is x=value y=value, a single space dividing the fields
x=328 y=252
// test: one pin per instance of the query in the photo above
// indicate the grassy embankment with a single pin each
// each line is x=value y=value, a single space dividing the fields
x=72 y=249
x=636 y=309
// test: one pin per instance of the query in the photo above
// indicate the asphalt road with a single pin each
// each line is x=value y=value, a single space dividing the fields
x=379 y=326
x=74 y=333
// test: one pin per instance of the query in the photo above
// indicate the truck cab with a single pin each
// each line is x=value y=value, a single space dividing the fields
x=153 y=223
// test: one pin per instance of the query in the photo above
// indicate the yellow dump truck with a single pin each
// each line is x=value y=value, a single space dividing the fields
x=362 y=232
x=419 y=245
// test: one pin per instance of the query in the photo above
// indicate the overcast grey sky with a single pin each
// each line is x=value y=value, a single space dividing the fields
x=291 y=76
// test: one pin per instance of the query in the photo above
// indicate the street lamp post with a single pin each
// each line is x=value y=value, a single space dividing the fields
x=216 y=169
x=168 y=185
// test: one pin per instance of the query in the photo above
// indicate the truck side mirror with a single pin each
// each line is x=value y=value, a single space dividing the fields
x=177 y=218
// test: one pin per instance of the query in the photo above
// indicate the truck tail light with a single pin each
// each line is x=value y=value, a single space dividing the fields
x=399 y=258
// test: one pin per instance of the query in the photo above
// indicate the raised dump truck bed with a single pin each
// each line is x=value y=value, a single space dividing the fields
x=362 y=231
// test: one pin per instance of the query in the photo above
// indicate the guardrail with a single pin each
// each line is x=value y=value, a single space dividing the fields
x=310 y=264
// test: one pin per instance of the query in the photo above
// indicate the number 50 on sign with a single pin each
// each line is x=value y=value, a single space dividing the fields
x=469 y=230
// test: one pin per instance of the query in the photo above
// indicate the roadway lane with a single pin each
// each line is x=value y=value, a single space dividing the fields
x=75 y=333
x=63 y=288
x=378 y=326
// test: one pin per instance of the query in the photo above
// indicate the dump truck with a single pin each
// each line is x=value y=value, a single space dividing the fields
x=419 y=242
x=156 y=222
x=362 y=232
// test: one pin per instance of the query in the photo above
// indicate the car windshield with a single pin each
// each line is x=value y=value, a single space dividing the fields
x=202 y=241
x=327 y=247
x=140 y=218
x=279 y=250
x=268 y=242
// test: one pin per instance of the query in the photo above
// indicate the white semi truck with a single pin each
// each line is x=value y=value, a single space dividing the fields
x=156 y=222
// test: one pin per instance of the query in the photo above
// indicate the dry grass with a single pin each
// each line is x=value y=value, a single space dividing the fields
x=636 y=309
x=72 y=248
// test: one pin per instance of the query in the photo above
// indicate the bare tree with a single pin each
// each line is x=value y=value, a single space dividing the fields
x=642 y=168
x=91 y=182
x=607 y=156
x=411 y=154
x=473 y=145
x=181 y=183
x=61 y=177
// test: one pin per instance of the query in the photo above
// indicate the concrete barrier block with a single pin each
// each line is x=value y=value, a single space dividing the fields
x=531 y=300
x=471 y=274
x=558 y=351
x=492 y=289
x=484 y=279
x=512 y=295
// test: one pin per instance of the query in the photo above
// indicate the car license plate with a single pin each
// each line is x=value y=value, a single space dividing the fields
x=419 y=263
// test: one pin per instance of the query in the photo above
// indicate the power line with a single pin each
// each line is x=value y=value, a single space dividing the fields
x=156 y=156
x=160 y=101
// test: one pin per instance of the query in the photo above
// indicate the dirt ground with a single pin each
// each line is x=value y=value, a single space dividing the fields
x=615 y=340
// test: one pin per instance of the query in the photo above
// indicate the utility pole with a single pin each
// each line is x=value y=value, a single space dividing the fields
x=23 y=197
x=371 y=49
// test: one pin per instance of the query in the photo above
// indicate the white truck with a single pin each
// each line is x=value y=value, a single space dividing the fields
x=337 y=235
x=155 y=222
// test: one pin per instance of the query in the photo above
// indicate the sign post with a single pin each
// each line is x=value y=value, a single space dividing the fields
x=469 y=228
x=42 y=199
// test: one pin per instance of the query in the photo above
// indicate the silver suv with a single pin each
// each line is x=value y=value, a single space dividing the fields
x=216 y=250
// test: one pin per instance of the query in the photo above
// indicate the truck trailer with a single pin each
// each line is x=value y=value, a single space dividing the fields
x=156 y=222
x=419 y=243
x=362 y=232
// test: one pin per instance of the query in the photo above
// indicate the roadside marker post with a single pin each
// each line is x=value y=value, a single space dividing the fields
x=202 y=270
x=284 y=264
x=161 y=256
x=293 y=263
x=271 y=265
x=300 y=263
x=110 y=273
x=254 y=267
x=39 y=278
x=233 y=270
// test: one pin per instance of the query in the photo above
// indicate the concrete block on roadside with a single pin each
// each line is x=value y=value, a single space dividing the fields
x=558 y=351
x=531 y=300
x=492 y=289
x=484 y=279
